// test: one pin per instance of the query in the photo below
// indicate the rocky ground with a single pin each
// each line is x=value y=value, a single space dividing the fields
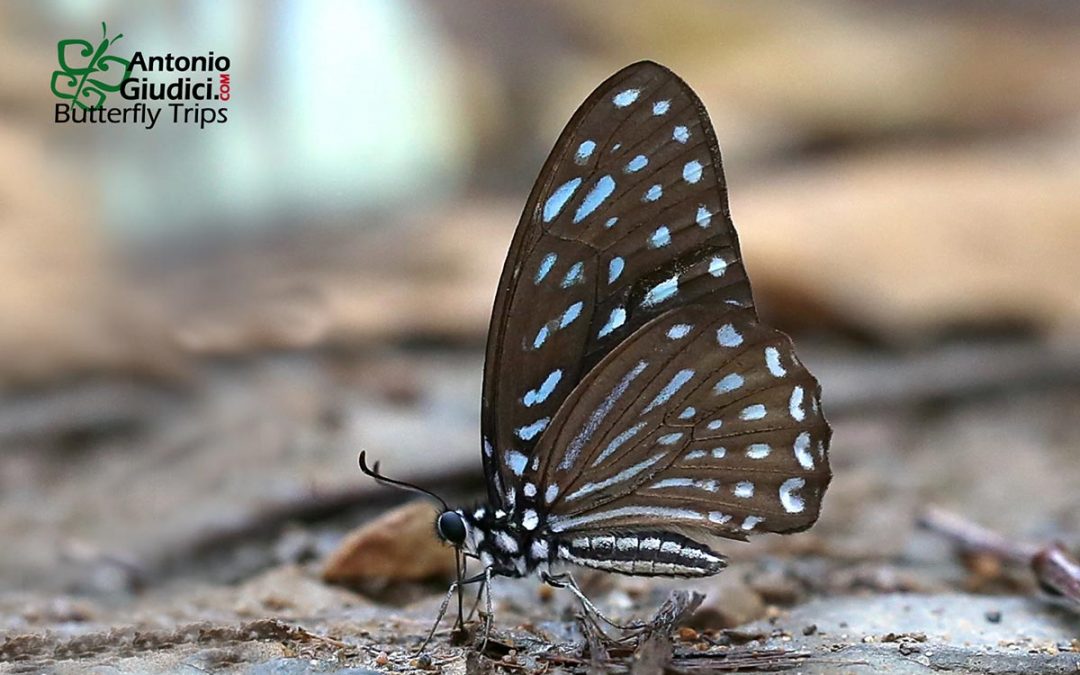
x=191 y=530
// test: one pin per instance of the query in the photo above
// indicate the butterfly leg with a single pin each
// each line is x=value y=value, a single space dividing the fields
x=566 y=580
x=489 y=614
x=485 y=577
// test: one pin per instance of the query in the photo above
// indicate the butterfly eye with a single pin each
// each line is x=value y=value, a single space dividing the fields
x=451 y=527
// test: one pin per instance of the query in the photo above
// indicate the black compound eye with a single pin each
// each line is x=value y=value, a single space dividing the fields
x=451 y=527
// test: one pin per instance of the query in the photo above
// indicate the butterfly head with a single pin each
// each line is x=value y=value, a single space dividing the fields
x=451 y=528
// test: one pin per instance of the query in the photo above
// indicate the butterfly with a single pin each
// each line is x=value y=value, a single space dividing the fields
x=634 y=409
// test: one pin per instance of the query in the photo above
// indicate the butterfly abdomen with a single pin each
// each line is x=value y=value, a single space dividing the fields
x=643 y=553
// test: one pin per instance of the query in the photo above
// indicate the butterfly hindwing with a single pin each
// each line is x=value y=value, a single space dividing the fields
x=627 y=221
x=703 y=420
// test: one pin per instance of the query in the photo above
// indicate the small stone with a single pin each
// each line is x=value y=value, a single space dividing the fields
x=809 y=630
x=688 y=634
x=993 y=616
x=382 y=659
x=907 y=649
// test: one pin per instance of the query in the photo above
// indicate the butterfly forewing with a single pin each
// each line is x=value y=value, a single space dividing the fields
x=703 y=420
x=627 y=221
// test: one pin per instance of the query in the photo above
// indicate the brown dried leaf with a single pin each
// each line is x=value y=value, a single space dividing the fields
x=400 y=545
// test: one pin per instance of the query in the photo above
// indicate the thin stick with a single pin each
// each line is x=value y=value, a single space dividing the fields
x=1056 y=570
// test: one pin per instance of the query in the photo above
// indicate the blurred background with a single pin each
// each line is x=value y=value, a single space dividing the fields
x=200 y=329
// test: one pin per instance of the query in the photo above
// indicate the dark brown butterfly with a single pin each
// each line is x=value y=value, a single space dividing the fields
x=634 y=409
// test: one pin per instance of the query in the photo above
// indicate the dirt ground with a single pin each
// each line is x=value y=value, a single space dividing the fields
x=188 y=530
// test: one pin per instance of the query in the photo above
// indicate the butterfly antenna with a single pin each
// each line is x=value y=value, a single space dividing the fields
x=373 y=471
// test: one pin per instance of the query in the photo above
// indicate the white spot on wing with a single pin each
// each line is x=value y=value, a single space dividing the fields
x=744 y=489
x=792 y=502
x=681 y=134
x=572 y=312
x=717 y=267
x=772 y=360
x=661 y=107
x=653 y=193
x=802 y=451
x=529 y=519
x=758 y=450
x=795 y=405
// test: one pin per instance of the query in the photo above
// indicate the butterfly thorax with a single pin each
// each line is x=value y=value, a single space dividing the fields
x=512 y=543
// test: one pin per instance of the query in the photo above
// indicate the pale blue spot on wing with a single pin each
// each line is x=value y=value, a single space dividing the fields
x=541 y=336
x=681 y=134
x=714 y=425
x=611 y=222
x=728 y=383
x=601 y=191
x=653 y=193
x=661 y=237
x=529 y=432
x=717 y=267
x=573 y=275
x=689 y=412
x=758 y=450
x=558 y=199
x=617 y=318
x=572 y=312
x=691 y=172
x=661 y=107
x=584 y=151
x=727 y=336
x=516 y=462
x=615 y=268
x=661 y=291
x=637 y=164
x=618 y=441
x=679 y=331
x=625 y=97
x=752 y=412
x=703 y=216
x=668 y=439
x=670 y=389
x=540 y=394
x=545 y=267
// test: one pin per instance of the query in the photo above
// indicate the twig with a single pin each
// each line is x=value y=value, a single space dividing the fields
x=1056 y=570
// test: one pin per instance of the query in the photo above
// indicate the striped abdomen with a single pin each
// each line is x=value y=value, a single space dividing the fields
x=643 y=553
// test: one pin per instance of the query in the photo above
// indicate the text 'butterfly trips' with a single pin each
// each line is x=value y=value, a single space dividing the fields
x=634 y=409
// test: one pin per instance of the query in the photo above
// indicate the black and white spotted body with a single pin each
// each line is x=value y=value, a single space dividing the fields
x=518 y=543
